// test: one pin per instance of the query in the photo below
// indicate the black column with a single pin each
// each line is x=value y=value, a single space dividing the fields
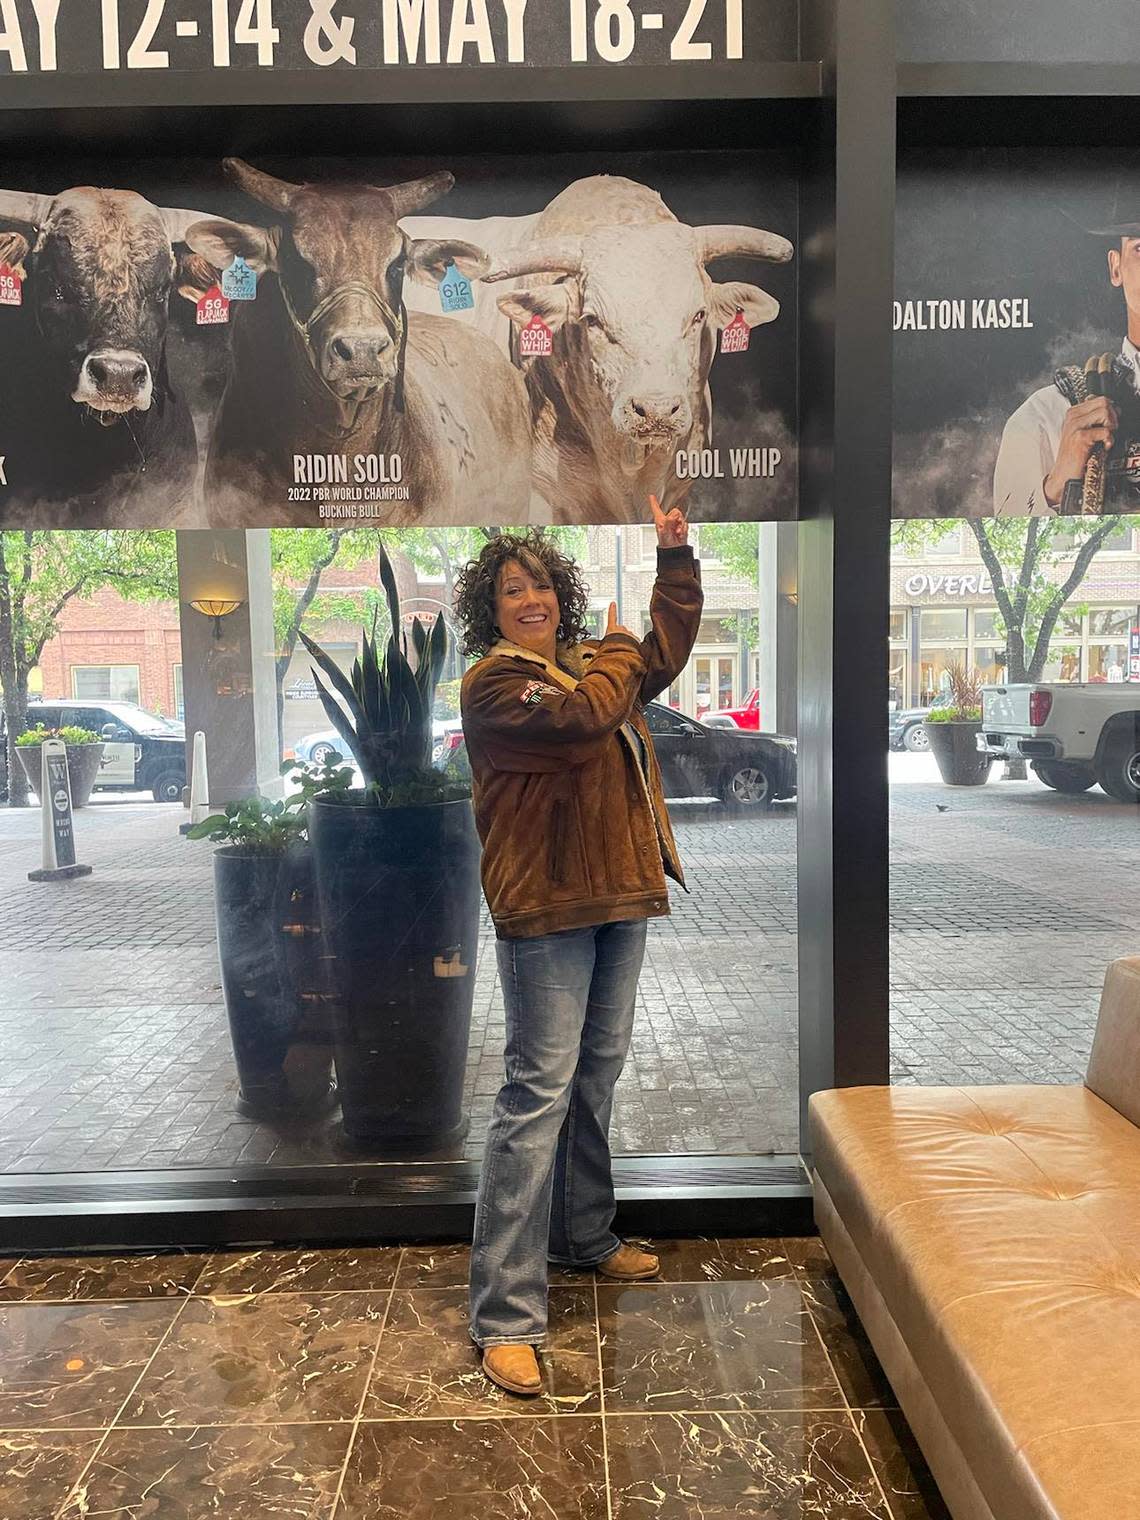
x=846 y=234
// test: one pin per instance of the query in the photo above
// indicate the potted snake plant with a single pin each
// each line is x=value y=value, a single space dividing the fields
x=953 y=728
x=397 y=874
x=270 y=951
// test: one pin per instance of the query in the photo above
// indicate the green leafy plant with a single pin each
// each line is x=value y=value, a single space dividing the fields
x=69 y=735
x=965 y=697
x=386 y=717
x=256 y=823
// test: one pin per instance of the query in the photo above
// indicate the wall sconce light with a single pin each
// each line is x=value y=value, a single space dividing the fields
x=216 y=607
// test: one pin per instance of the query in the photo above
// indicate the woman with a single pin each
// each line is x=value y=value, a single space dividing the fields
x=576 y=849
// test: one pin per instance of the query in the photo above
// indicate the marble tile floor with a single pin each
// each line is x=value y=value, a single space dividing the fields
x=339 y=1384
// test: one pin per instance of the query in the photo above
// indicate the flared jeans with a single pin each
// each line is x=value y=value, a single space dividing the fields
x=546 y=1189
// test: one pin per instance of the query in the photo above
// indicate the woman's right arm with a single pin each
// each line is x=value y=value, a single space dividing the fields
x=525 y=722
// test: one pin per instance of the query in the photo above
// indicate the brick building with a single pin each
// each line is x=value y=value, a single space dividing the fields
x=115 y=649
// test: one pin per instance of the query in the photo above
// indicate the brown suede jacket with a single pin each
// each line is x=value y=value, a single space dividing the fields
x=574 y=830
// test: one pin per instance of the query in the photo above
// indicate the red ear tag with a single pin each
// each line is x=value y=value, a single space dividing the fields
x=213 y=308
x=734 y=338
x=11 y=287
x=536 y=340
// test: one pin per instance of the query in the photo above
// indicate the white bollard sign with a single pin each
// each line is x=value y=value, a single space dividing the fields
x=55 y=806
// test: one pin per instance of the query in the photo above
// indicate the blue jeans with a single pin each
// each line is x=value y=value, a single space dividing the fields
x=546 y=1189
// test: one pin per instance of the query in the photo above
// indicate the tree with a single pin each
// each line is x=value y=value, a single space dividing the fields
x=1036 y=565
x=40 y=573
x=735 y=545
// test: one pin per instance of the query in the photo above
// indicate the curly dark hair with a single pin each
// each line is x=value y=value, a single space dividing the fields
x=478 y=581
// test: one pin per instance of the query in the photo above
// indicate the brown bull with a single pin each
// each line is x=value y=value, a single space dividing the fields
x=327 y=362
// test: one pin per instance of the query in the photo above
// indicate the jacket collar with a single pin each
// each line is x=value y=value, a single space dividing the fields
x=504 y=649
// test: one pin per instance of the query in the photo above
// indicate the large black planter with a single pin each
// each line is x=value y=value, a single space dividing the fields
x=270 y=947
x=954 y=747
x=83 y=762
x=399 y=898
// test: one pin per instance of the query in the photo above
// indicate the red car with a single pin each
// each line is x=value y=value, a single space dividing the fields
x=746 y=716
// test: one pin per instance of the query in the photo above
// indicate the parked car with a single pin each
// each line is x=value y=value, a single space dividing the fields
x=747 y=715
x=696 y=759
x=1076 y=733
x=142 y=751
x=319 y=747
x=906 y=728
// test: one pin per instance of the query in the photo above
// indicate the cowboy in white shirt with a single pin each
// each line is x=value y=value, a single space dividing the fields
x=1047 y=442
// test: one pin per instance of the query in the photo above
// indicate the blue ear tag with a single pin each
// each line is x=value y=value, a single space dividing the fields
x=239 y=282
x=455 y=293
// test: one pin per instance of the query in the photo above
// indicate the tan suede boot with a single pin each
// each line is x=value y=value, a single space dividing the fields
x=629 y=1264
x=514 y=1368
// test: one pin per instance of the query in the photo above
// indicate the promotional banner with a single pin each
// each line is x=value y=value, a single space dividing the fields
x=315 y=35
x=504 y=340
x=1017 y=320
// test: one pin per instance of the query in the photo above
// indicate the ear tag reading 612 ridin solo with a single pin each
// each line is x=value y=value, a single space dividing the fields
x=536 y=340
x=455 y=293
x=213 y=308
x=734 y=339
x=239 y=282
x=11 y=287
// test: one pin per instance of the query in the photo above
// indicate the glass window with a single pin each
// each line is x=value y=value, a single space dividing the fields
x=1110 y=620
x=179 y=699
x=986 y=624
x=899 y=623
x=942 y=623
x=990 y=662
x=1063 y=663
x=934 y=668
x=1108 y=662
x=1070 y=622
x=897 y=684
x=109 y=683
x=716 y=629
x=950 y=543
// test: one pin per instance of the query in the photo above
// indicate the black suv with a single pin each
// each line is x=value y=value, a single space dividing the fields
x=142 y=752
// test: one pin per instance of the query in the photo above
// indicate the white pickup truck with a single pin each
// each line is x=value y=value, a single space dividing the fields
x=1076 y=733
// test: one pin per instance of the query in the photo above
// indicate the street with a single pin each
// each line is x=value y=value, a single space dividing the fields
x=1008 y=901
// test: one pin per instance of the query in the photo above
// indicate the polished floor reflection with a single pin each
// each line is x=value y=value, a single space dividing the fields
x=340 y=1384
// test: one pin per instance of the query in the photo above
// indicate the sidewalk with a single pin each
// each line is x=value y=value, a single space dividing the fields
x=1006 y=908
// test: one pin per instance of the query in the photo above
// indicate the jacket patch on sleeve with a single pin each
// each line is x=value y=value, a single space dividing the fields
x=534 y=691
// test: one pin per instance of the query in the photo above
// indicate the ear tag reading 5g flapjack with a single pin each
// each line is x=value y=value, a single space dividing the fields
x=213 y=308
x=11 y=286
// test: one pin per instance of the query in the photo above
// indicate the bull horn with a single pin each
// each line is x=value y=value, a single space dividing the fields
x=177 y=223
x=274 y=193
x=729 y=241
x=415 y=194
x=23 y=206
x=549 y=256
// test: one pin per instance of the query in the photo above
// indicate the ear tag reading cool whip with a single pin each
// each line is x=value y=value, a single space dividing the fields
x=239 y=282
x=455 y=293
x=734 y=338
x=11 y=287
x=536 y=340
x=213 y=308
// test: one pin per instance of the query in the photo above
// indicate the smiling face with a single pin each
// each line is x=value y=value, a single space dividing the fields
x=526 y=608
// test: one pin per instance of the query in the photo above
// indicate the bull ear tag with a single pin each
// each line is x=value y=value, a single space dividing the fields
x=735 y=337
x=536 y=340
x=213 y=308
x=455 y=293
x=11 y=286
x=239 y=282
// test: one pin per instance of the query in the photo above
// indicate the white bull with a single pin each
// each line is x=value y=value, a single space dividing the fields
x=635 y=315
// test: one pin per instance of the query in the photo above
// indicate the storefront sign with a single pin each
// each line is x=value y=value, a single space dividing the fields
x=926 y=583
x=183 y=36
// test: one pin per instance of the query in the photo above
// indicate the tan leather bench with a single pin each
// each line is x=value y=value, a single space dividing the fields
x=990 y=1240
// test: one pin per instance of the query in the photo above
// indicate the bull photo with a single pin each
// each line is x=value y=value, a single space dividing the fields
x=1017 y=325
x=397 y=342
